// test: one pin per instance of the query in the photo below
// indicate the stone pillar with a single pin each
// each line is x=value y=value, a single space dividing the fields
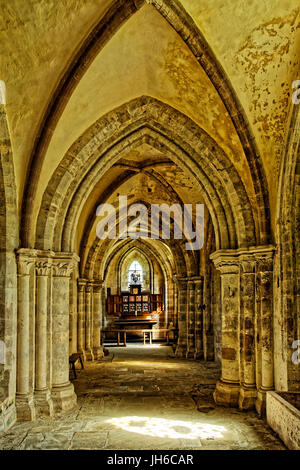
x=265 y=338
x=81 y=317
x=227 y=389
x=73 y=315
x=248 y=392
x=190 y=353
x=182 y=318
x=208 y=325
x=97 y=313
x=198 y=318
x=24 y=392
x=170 y=295
x=88 y=321
x=175 y=290
x=42 y=393
x=63 y=395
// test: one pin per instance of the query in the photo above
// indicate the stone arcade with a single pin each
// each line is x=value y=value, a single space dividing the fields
x=169 y=102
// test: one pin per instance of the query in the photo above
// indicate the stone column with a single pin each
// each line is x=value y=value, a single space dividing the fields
x=63 y=394
x=182 y=318
x=73 y=315
x=265 y=338
x=24 y=392
x=42 y=394
x=198 y=318
x=248 y=392
x=190 y=319
x=170 y=295
x=227 y=389
x=88 y=321
x=81 y=316
x=175 y=290
x=97 y=313
x=208 y=326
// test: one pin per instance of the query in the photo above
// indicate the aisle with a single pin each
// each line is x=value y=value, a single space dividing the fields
x=141 y=397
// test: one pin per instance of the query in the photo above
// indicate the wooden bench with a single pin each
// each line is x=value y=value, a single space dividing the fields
x=72 y=361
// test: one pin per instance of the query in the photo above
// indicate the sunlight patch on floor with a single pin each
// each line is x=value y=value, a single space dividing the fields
x=168 y=428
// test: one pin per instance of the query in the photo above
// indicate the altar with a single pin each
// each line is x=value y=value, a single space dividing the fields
x=136 y=309
x=135 y=324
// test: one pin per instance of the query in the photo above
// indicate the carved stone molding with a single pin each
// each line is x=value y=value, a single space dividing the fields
x=89 y=287
x=61 y=269
x=25 y=261
x=64 y=264
x=97 y=286
x=43 y=268
x=230 y=261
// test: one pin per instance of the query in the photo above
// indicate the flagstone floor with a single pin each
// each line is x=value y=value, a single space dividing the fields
x=142 y=397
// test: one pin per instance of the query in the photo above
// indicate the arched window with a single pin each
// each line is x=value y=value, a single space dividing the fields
x=135 y=273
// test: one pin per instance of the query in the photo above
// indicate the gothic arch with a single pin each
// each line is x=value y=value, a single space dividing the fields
x=169 y=131
x=287 y=261
x=177 y=17
x=9 y=242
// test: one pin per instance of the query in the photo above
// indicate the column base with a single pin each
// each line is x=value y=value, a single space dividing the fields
x=89 y=356
x=180 y=350
x=82 y=352
x=260 y=403
x=198 y=354
x=8 y=417
x=25 y=408
x=227 y=394
x=43 y=403
x=247 y=398
x=209 y=348
x=98 y=353
x=64 y=398
x=190 y=353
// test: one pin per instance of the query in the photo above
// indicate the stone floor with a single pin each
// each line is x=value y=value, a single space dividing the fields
x=141 y=397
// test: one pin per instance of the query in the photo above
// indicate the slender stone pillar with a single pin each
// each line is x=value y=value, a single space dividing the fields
x=182 y=318
x=248 y=392
x=81 y=316
x=63 y=395
x=190 y=319
x=227 y=389
x=208 y=329
x=265 y=303
x=88 y=321
x=175 y=289
x=73 y=315
x=170 y=293
x=97 y=313
x=198 y=318
x=24 y=393
x=42 y=394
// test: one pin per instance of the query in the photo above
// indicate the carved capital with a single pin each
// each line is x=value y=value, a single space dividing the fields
x=89 y=287
x=248 y=264
x=62 y=269
x=181 y=283
x=97 y=286
x=265 y=264
x=81 y=284
x=43 y=268
x=25 y=261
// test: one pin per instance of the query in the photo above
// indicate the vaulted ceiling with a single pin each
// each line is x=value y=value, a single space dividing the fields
x=255 y=46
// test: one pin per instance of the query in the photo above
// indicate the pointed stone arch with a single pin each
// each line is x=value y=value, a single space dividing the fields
x=9 y=242
x=287 y=261
x=178 y=18
x=168 y=130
